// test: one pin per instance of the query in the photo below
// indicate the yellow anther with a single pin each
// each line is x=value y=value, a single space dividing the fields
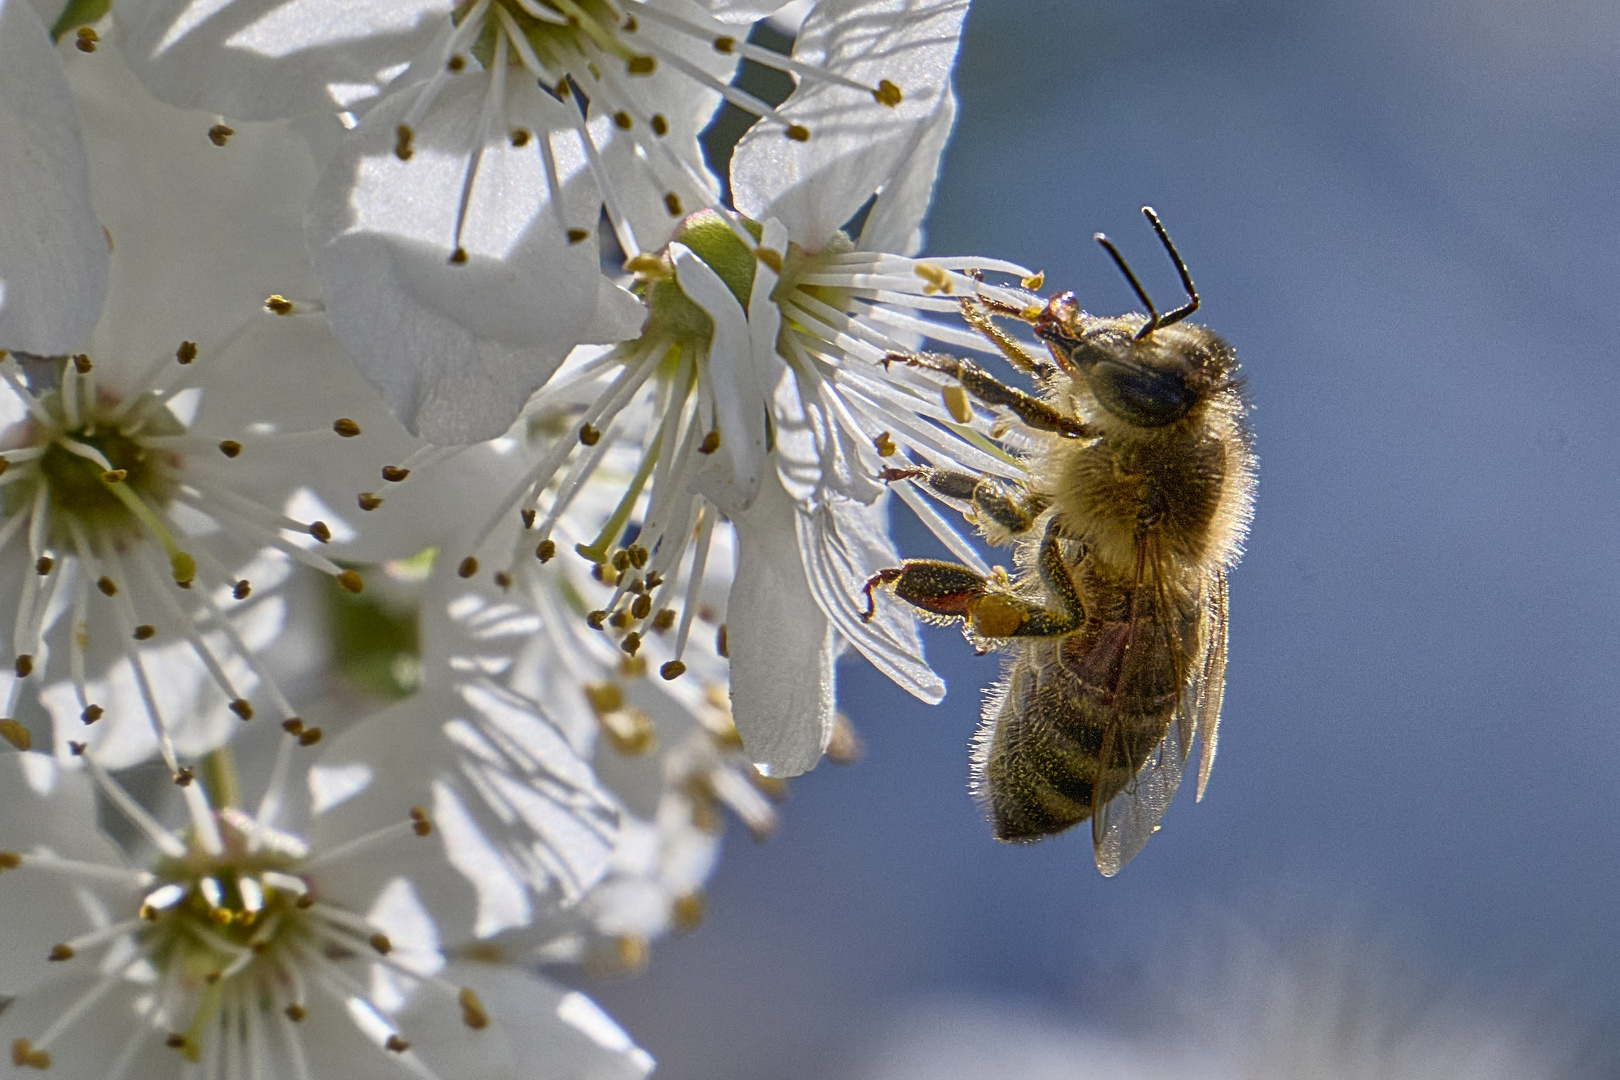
x=545 y=550
x=798 y=133
x=520 y=137
x=604 y=698
x=19 y=737
x=320 y=531
x=396 y=1044
x=1034 y=281
x=230 y=448
x=421 y=824
x=687 y=911
x=23 y=1054
x=672 y=203
x=394 y=474
x=885 y=445
x=468 y=567
x=145 y=632
x=938 y=280
x=60 y=953
x=25 y=666
x=646 y=266
x=346 y=427
x=381 y=943
x=887 y=94
x=404 y=138
x=220 y=134
x=278 y=304
x=92 y=713
x=771 y=258
x=956 y=403
x=578 y=236
x=351 y=581
x=672 y=670
x=370 y=500
x=472 y=1009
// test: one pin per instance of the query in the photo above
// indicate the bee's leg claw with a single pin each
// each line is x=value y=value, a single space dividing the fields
x=882 y=577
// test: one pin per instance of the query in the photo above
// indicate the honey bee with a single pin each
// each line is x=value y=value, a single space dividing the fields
x=1140 y=492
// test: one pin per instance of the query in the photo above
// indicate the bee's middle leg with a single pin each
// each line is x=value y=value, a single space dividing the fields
x=1014 y=510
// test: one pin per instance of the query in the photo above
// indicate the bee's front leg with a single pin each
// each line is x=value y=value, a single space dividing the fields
x=1034 y=412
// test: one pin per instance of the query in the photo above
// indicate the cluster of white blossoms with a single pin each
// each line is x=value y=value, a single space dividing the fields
x=433 y=502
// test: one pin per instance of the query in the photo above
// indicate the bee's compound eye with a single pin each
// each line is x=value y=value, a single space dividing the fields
x=1141 y=395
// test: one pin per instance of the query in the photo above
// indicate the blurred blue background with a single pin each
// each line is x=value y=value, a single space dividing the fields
x=1403 y=214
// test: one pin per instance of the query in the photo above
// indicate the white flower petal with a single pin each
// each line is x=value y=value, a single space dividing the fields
x=895 y=223
x=520 y=815
x=555 y=1033
x=782 y=647
x=458 y=347
x=201 y=234
x=744 y=11
x=261 y=59
x=731 y=477
x=53 y=254
x=92 y=1045
x=857 y=146
x=46 y=807
x=844 y=544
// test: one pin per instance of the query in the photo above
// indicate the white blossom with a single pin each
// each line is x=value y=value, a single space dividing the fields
x=456 y=229
x=157 y=483
x=245 y=949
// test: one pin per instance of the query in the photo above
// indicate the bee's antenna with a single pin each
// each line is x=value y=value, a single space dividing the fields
x=1181 y=268
x=1141 y=293
x=1155 y=320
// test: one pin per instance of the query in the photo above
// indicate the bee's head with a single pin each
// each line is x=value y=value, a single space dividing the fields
x=1148 y=382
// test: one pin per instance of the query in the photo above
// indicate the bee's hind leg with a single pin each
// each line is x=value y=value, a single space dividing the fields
x=951 y=590
x=1014 y=510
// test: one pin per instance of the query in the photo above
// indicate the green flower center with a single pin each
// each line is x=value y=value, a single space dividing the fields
x=83 y=495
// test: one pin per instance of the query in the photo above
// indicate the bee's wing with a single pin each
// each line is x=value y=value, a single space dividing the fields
x=1124 y=825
